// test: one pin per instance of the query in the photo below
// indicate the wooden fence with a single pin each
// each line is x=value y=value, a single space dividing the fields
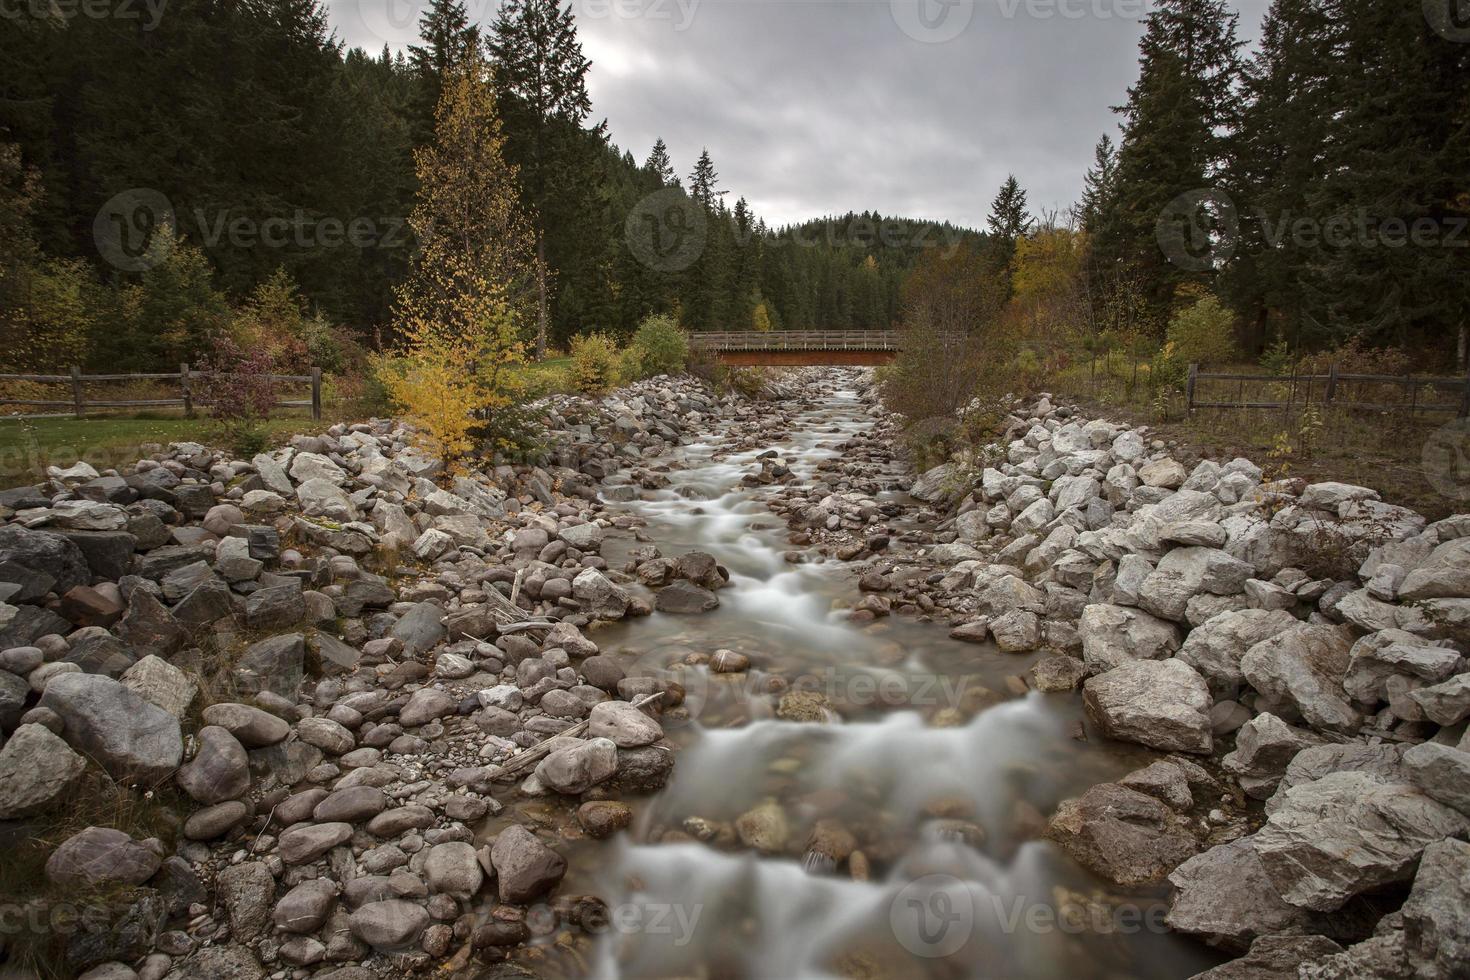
x=1301 y=391
x=184 y=377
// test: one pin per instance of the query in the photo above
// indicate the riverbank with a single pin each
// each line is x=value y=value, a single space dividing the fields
x=721 y=684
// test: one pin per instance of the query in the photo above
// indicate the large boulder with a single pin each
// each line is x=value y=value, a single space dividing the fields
x=1445 y=574
x=101 y=856
x=1114 y=635
x=1394 y=661
x=1163 y=704
x=37 y=769
x=1224 y=896
x=1348 y=833
x=1123 y=835
x=46 y=552
x=1216 y=646
x=1185 y=572
x=420 y=629
x=1301 y=670
x=684 y=597
x=579 y=766
x=392 y=925
x=1264 y=747
x=129 y=737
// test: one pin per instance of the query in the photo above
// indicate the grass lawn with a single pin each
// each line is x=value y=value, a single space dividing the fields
x=26 y=449
x=111 y=441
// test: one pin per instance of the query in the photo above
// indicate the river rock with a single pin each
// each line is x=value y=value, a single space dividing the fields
x=37 y=769
x=350 y=805
x=1347 y=833
x=453 y=869
x=1216 y=646
x=304 y=908
x=626 y=726
x=1302 y=669
x=426 y=705
x=305 y=842
x=127 y=736
x=392 y=925
x=247 y=892
x=685 y=597
x=603 y=818
x=1121 y=834
x=764 y=828
x=1441 y=773
x=577 y=768
x=219 y=771
x=1264 y=747
x=1224 y=896
x=1163 y=704
x=598 y=597
x=252 y=727
x=1114 y=635
x=525 y=868
x=101 y=856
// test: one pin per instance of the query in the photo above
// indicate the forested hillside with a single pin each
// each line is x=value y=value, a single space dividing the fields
x=272 y=147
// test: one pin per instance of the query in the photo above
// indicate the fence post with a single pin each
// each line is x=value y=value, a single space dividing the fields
x=187 y=392
x=1331 y=383
x=76 y=391
x=316 y=393
x=1189 y=389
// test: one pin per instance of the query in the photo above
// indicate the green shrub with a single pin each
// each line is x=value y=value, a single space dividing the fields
x=595 y=363
x=1202 y=334
x=659 y=347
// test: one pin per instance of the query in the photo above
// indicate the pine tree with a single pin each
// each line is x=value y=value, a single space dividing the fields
x=660 y=166
x=541 y=75
x=703 y=180
x=1009 y=219
x=1179 y=122
x=1393 y=185
x=1290 y=93
x=1099 y=186
x=450 y=42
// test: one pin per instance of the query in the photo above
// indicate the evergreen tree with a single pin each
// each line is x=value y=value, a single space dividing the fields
x=1392 y=196
x=1290 y=92
x=1179 y=122
x=703 y=180
x=1099 y=186
x=660 y=166
x=541 y=75
x=450 y=42
x=1009 y=219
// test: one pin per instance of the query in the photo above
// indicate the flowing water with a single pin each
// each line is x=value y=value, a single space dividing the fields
x=939 y=774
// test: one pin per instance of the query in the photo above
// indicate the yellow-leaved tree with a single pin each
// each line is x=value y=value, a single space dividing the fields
x=457 y=314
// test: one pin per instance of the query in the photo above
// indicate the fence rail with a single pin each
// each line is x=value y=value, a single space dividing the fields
x=773 y=340
x=1300 y=389
x=78 y=403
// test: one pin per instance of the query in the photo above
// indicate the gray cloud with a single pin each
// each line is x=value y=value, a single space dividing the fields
x=812 y=107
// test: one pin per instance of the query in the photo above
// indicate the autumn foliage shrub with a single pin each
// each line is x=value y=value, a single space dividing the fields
x=658 y=347
x=239 y=392
x=595 y=363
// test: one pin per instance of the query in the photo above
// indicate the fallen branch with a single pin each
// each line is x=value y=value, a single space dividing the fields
x=543 y=748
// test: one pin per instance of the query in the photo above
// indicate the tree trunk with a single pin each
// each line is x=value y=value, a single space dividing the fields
x=541 y=314
x=1462 y=347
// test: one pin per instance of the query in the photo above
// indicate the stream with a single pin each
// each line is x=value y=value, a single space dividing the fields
x=903 y=838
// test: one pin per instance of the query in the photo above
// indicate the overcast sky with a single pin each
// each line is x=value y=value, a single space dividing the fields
x=811 y=107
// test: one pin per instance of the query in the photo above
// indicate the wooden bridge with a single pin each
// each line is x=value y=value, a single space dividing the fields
x=799 y=347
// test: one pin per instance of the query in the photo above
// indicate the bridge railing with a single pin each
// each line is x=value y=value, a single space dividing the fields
x=733 y=340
